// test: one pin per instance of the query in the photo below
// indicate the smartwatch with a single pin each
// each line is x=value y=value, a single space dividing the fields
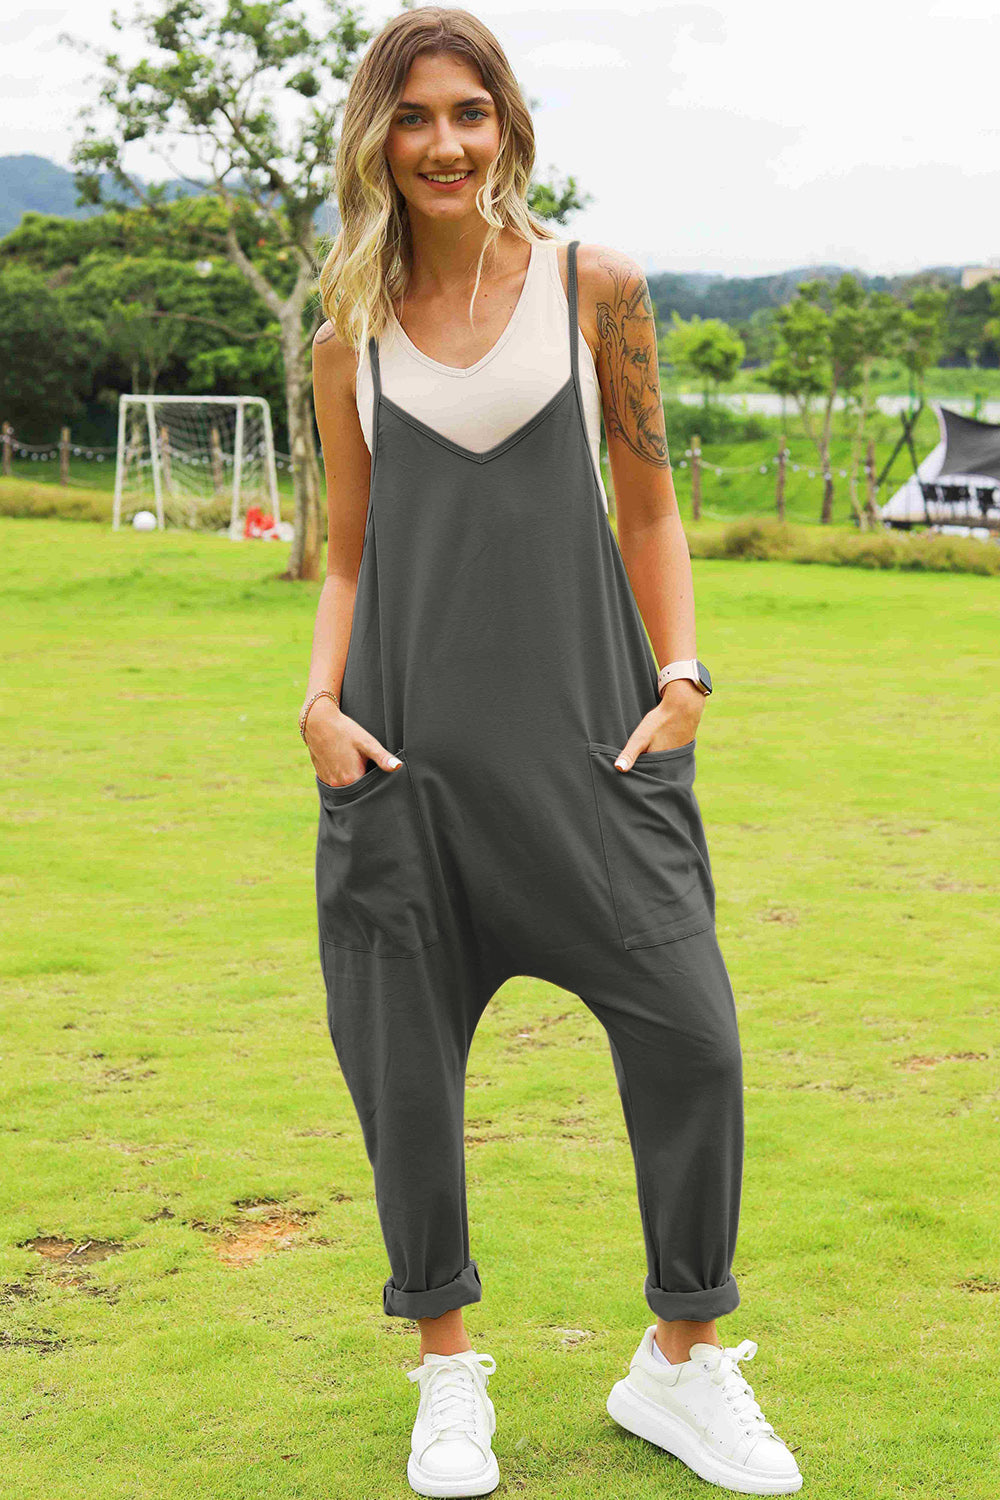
x=694 y=669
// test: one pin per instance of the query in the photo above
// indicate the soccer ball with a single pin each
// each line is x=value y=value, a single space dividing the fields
x=144 y=520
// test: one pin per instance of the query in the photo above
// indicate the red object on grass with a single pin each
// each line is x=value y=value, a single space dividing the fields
x=258 y=522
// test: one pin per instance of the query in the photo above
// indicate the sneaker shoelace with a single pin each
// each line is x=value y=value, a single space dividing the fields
x=723 y=1370
x=453 y=1386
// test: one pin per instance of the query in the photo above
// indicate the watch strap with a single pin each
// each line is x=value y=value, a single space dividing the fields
x=680 y=669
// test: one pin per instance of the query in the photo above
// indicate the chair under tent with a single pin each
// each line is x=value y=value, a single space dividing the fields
x=956 y=488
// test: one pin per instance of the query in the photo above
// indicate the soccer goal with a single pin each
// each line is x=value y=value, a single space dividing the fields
x=195 y=461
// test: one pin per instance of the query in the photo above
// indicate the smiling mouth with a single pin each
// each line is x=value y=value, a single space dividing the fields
x=455 y=177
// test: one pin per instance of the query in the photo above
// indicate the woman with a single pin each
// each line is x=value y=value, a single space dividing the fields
x=504 y=778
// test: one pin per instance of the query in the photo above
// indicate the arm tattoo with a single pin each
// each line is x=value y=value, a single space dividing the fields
x=627 y=331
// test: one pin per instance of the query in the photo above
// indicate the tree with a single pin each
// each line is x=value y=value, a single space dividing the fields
x=707 y=349
x=922 y=333
x=991 y=328
x=47 y=357
x=259 y=89
x=824 y=349
x=864 y=328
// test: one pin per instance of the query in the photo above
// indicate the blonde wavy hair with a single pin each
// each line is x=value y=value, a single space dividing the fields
x=368 y=268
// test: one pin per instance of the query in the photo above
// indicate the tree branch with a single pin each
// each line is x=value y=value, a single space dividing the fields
x=232 y=333
x=257 y=280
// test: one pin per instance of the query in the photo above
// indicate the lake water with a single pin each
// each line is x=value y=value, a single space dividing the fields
x=767 y=404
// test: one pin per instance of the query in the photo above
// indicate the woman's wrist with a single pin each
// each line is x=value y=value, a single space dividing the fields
x=681 y=689
x=317 y=696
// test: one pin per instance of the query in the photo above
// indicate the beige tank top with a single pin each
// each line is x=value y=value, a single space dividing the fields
x=481 y=406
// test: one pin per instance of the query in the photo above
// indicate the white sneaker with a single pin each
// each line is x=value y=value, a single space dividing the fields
x=450 y=1450
x=704 y=1412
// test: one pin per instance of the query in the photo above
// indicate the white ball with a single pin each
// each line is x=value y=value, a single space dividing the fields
x=144 y=520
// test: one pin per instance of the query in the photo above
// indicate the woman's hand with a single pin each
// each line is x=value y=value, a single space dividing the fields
x=339 y=746
x=672 y=723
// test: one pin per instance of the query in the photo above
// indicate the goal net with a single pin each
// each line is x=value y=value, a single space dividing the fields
x=195 y=461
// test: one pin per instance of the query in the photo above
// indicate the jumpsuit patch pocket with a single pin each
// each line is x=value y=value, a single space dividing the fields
x=374 y=888
x=654 y=844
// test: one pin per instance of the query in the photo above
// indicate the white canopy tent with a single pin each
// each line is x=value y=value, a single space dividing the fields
x=956 y=488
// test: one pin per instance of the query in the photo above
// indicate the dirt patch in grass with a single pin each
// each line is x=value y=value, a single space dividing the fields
x=42 y=1340
x=72 y=1252
x=68 y=1257
x=921 y=1064
x=978 y=1284
x=82 y=1282
x=570 y=1338
x=263 y=1226
x=780 y=914
x=127 y=1075
x=13 y=1291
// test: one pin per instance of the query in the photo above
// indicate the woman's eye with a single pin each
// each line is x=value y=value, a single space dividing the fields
x=480 y=114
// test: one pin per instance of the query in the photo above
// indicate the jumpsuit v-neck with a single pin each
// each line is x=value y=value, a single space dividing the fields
x=497 y=649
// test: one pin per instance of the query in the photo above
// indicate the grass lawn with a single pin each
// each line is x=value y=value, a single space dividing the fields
x=173 y=1113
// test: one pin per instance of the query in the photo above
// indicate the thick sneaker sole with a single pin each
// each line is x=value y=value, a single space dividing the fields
x=428 y=1484
x=646 y=1419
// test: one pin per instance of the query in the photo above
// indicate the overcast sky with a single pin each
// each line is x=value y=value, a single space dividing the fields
x=744 y=137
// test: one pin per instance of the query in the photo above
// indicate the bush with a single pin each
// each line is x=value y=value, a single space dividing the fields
x=24 y=497
x=757 y=538
x=762 y=538
x=713 y=424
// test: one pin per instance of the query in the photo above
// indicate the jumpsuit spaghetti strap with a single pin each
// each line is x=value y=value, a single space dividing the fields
x=497 y=649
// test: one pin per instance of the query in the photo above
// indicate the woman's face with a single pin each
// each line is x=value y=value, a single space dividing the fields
x=445 y=123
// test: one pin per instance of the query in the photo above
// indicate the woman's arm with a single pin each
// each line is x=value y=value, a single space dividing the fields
x=338 y=745
x=616 y=314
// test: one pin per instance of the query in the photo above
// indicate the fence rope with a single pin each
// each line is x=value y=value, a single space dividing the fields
x=45 y=452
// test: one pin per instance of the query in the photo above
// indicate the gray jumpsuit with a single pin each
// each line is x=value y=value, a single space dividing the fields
x=497 y=648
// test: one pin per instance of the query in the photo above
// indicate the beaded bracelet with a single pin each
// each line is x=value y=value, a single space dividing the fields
x=323 y=693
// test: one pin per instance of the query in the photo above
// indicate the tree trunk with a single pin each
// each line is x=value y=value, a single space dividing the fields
x=695 y=477
x=826 y=514
x=856 y=447
x=303 y=560
x=871 y=504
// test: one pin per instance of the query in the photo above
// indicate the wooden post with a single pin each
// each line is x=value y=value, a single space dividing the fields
x=8 y=443
x=696 y=477
x=64 y=456
x=779 y=497
x=216 y=447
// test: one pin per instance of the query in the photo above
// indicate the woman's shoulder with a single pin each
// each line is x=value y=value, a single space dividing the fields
x=607 y=274
x=330 y=348
x=334 y=361
x=611 y=288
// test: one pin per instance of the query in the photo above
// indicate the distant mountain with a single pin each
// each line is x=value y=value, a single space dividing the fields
x=736 y=298
x=33 y=184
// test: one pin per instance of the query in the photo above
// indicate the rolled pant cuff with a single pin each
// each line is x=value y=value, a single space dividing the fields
x=701 y=1306
x=465 y=1288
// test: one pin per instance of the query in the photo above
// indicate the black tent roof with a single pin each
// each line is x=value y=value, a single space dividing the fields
x=971 y=447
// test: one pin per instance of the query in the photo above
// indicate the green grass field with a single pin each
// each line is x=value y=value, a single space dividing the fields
x=190 y=1260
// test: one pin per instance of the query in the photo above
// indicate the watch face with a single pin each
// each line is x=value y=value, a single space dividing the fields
x=703 y=674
